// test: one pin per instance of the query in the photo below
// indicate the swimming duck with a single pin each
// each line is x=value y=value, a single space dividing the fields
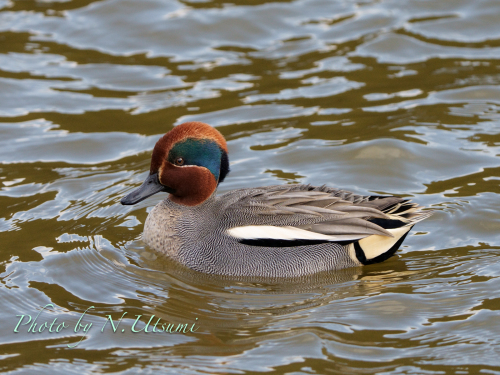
x=273 y=231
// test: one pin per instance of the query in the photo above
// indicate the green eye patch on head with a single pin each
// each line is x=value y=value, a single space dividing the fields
x=201 y=152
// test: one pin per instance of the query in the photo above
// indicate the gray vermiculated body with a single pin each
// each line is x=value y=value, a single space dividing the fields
x=196 y=237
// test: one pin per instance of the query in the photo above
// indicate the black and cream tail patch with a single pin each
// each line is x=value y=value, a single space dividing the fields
x=375 y=248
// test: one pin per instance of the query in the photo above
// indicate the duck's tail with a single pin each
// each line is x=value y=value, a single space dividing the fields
x=402 y=216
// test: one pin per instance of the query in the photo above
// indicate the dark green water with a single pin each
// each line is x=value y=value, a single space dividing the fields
x=395 y=97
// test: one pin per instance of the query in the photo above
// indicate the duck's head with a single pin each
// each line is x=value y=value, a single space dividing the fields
x=188 y=162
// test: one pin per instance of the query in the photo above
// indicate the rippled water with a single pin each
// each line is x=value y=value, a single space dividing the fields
x=395 y=97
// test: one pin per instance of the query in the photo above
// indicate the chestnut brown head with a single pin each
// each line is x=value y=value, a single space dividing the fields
x=188 y=162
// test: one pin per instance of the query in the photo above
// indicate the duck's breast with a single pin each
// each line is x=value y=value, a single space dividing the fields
x=161 y=230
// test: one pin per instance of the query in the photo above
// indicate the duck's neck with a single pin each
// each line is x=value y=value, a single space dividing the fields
x=192 y=200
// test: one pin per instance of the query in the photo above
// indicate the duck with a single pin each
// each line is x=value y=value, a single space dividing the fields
x=275 y=231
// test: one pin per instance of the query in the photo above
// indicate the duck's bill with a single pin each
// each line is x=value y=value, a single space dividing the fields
x=149 y=187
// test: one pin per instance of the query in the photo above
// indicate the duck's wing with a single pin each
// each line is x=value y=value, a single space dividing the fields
x=303 y=214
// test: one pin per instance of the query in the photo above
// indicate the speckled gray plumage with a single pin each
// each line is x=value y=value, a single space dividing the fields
x=196 y=236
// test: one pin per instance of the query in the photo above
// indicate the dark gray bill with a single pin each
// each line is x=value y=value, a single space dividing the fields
x=149 y=187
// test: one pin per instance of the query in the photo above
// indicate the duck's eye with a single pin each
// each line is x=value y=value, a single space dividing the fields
x=179 y=161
